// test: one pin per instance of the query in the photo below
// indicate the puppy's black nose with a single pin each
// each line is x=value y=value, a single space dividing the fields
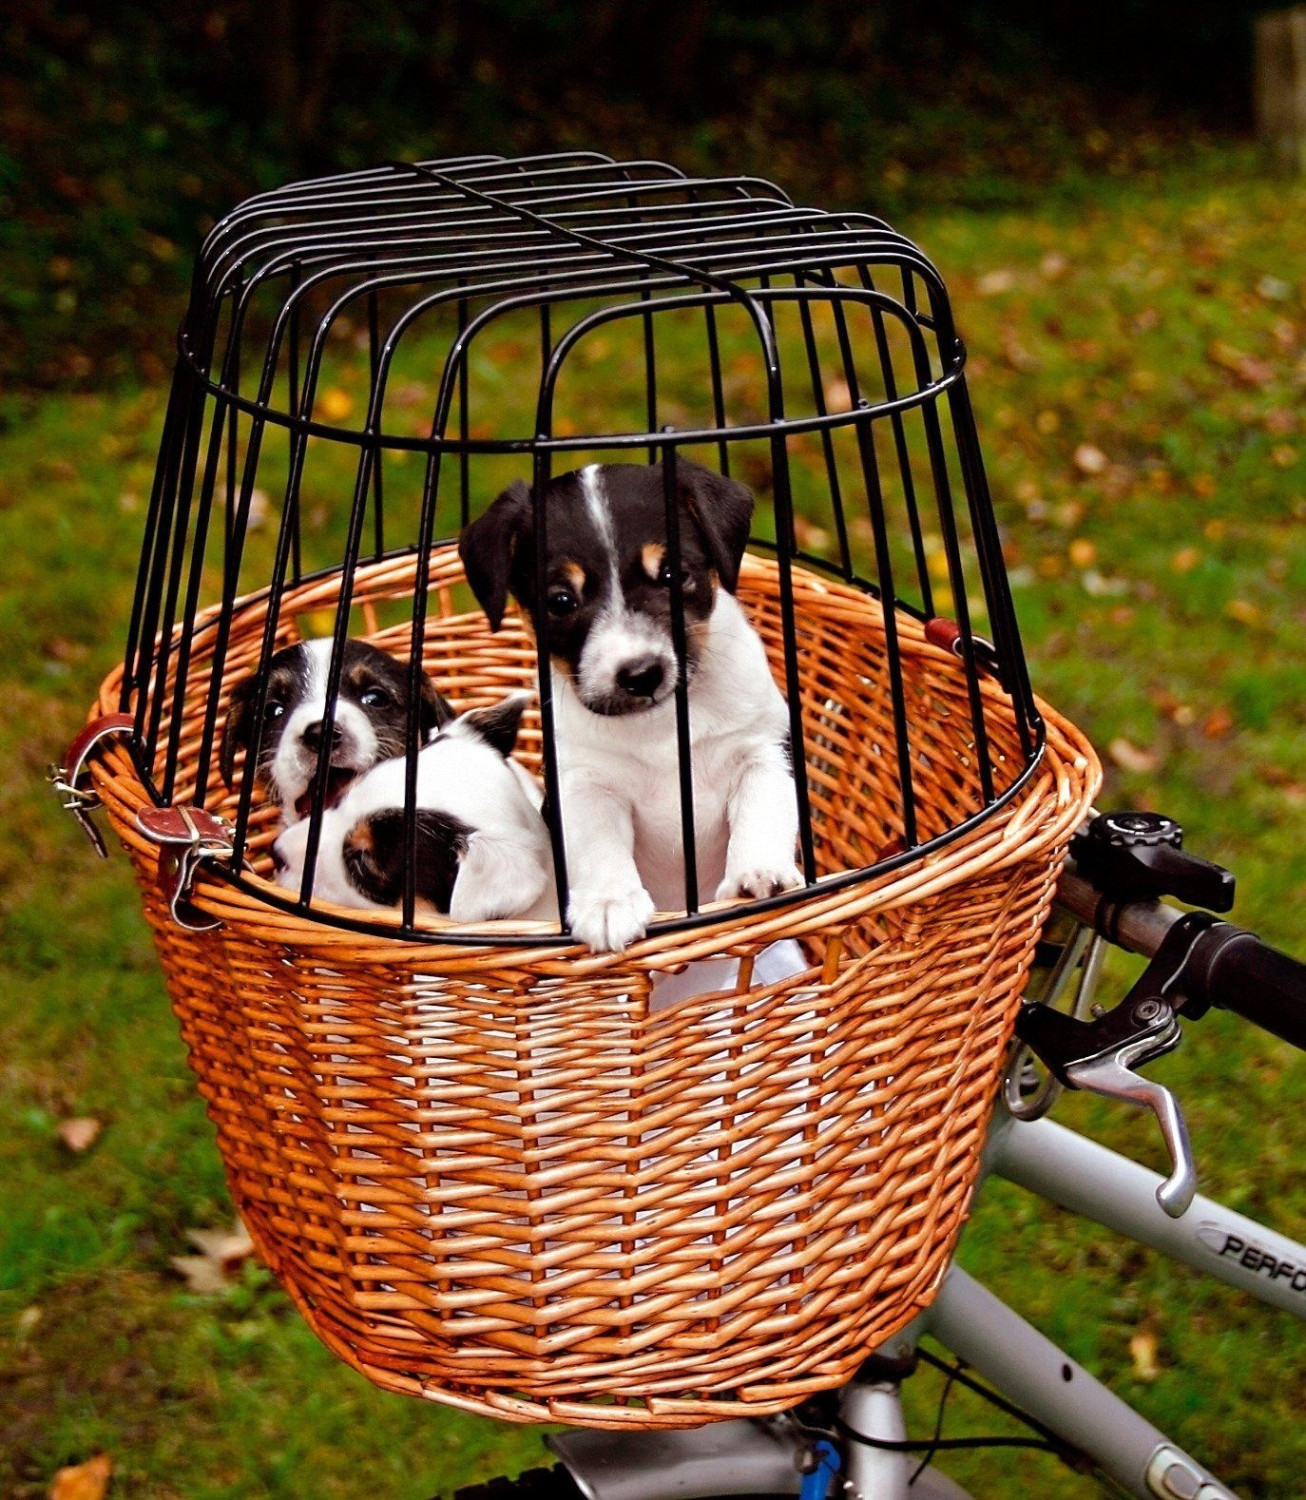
x=312 y=736
x=641 y=678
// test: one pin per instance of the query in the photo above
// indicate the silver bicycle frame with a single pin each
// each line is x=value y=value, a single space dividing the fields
x=736 y=1458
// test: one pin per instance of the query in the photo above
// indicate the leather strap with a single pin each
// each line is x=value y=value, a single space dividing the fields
x=98 y=729
x=186 y=837
x=183 y=825
x=79 y=800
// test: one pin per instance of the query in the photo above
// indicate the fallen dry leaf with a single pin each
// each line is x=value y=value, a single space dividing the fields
x=993 y=283
x=811 y=538
x=1089 y=459
x=1142 y=1350
x=1244 y=611
x=79 y=1134
x=222 y=1252
x=1185 y=560
x=1129 y=757
x=1097 y=586
x=88 y=1481
x=1082 y=552
x=1218 y=723
x=1242 y=366
x=837 y=395
x=335 y=404
x=1015 y=353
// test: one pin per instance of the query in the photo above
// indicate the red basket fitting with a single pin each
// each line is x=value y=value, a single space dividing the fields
x=943 y=633
x=80 y=800
x=947 y=636
x=186 y=836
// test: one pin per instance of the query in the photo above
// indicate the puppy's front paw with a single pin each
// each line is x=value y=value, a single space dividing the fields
x=754 y=884
x=608 y=923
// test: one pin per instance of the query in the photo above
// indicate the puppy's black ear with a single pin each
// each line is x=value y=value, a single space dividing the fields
x=433 y=711
x=499 y=724
x=487 y=546
x=723 y=509
x=236 y=731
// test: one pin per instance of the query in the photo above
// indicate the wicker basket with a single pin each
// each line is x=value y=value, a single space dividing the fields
x=495 y=1178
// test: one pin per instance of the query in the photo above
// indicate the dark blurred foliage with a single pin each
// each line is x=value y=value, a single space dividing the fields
x=125 y=128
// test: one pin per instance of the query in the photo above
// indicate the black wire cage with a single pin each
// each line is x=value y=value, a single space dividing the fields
x=368 y=359
x=652 y=1187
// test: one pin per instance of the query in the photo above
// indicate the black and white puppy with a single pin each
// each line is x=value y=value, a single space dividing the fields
x=482 y=847
x=607 y=608
x=370 y=723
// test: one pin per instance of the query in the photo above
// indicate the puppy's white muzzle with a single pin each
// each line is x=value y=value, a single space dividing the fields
x=628 y=665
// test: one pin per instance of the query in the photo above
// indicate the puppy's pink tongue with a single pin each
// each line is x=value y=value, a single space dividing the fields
x=338 y=780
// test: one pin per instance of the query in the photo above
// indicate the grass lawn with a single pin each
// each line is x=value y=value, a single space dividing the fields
x=1138 y=361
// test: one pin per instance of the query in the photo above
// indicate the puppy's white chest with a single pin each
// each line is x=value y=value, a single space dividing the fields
x=656 y=809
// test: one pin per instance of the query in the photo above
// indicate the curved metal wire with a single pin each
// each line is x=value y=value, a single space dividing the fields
x=580 y=242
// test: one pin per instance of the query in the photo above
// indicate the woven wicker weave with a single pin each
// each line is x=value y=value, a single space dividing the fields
x=490 y=1176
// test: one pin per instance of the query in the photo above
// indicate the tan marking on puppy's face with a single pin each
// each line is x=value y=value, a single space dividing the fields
x=652 y=555
x=575 y=575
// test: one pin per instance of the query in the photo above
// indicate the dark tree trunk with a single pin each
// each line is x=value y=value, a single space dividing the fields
x=296 y=57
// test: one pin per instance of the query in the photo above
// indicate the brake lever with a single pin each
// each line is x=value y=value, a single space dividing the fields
x=1100 y=1055
x=1110 y=1077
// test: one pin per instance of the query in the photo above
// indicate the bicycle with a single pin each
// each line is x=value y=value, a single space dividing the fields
x=853 y=1442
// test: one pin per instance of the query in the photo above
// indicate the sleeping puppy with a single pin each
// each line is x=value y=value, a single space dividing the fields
x=370 y=724
x=482 y=847
x=607 y=608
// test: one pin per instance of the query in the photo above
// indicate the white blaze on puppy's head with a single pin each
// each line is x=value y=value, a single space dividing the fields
x=607 y=613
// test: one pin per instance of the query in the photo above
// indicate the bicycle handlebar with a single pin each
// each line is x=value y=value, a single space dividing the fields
x=1228 y=966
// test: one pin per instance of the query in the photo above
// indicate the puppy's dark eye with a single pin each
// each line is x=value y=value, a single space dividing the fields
x=561 y=602
x=274 y=711
x=374 y=697
x=664 y=577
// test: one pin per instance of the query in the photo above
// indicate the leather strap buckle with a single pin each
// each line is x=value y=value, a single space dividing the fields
x=186 y=837
x=66 y=779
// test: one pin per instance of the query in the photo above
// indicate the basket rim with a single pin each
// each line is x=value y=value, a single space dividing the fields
x=545 y=937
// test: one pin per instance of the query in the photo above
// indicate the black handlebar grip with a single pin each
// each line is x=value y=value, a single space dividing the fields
x=1233 y=969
